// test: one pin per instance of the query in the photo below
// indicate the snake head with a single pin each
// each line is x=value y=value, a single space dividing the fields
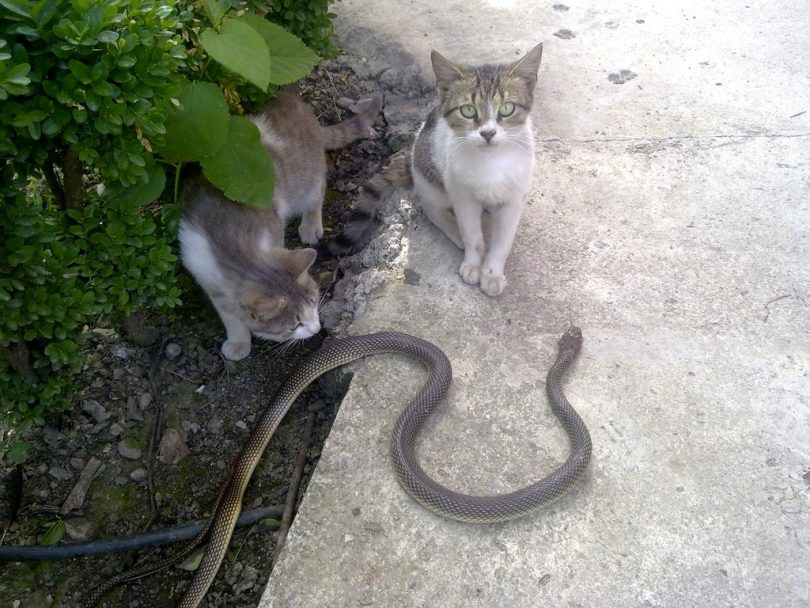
x=571 y=341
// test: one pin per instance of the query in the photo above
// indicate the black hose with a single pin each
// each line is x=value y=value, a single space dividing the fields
x=154 y=538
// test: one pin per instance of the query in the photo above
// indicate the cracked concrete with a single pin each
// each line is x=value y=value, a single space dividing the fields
x=670 y=218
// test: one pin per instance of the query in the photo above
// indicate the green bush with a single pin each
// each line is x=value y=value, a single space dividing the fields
x=100 y=102
x=310 y=20
x=58 y=272
x=87 y=83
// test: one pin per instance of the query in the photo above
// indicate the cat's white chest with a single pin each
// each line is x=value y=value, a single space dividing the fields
x=492 y=174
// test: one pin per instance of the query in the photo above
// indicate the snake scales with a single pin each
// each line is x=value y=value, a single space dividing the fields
x=476 y=509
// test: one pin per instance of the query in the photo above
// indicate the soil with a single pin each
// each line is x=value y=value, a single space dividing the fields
x=133 y=394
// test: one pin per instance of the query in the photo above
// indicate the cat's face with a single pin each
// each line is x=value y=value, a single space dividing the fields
x=287 y=308
x=486 y=106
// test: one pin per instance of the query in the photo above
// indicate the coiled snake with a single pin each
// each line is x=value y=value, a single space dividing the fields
x=476 y=509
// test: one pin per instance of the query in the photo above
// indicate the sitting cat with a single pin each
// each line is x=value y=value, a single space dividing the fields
x=474 y=153
x=236 y=252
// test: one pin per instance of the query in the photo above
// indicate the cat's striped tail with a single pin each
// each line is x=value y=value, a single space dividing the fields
x=360 y=226
x=343 y=133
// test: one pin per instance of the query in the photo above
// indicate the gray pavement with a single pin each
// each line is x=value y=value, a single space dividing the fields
x=669 y=218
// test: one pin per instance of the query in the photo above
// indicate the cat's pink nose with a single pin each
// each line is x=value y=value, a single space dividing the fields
x=487 y=134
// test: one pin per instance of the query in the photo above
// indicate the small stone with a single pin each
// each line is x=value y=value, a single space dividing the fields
x=77 y=463
x=95 y=410
x=128 y=448
x=172 y=448
x=118 y=373
x=173 y=350
x=60 y=474
x=78 y=528
x=241 y=424
x=247 y=579
x=189 y=427
x=120 y=480
x=138 y=475
x=121 y=351
x=144 y=399
x=52 y=436
x=133 y=413
x=116 y=429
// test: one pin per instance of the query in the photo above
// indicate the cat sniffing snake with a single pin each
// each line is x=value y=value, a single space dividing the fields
x=437 y=498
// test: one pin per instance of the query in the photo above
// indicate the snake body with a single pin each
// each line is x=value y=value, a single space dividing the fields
x=437 y=498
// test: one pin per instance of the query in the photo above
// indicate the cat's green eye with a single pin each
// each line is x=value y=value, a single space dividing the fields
x=507 y=109
x=468 y=111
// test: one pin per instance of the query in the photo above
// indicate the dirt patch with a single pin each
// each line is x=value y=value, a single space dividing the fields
x=132 y=395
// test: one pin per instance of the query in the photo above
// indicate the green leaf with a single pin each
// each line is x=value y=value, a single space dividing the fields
x=80 y=71
x=16 y=7
x=143 y=192
x=215 y=9
x=108 y=36
x=241 y=49
x=242 y=169
x=19 y=452
x=54 y=533
x=23 y=120
x=290 y=58
x=18 y=74
x=199 y=127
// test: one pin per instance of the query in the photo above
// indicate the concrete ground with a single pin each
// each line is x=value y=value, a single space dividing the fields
x=669 y=218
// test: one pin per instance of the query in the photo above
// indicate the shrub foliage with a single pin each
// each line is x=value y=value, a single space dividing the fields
x=101 y=101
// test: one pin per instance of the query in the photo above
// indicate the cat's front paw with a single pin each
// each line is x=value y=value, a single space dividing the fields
x=310 y=234
x=470 y=273
x=493 y=284
x=235 y=351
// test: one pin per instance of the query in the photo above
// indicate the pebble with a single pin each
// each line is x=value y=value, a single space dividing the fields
x=52 y=436
x=78 y=528
x=96 y=411
x=116 y=429
x=173 y=350
x=241 y=424
x=77 y=463
x=121 y=351
x=60 y=474
x=189 y=426
x=118 y=373
x=138 y=475
x=144 y=399
x=133 y=413
x=247 y=579
x=172 y=448
x=129 y=449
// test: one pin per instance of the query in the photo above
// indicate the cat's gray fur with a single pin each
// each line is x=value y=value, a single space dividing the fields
x=236 y=252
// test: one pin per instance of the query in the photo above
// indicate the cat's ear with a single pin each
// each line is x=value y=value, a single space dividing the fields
x=261 y=307
x=294 y=261
x=300 y=260
x=446 y=72
x=527 y=66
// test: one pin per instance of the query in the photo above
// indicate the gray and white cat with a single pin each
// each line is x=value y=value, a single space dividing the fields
x=236 y=252
x=474 y=153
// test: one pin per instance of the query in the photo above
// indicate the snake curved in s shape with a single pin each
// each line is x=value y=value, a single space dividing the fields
x=437 y=498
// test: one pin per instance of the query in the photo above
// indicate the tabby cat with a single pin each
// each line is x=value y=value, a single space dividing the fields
x=236 y=252
x=474 y=153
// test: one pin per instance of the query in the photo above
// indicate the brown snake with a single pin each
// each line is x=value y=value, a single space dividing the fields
x=437 y=498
